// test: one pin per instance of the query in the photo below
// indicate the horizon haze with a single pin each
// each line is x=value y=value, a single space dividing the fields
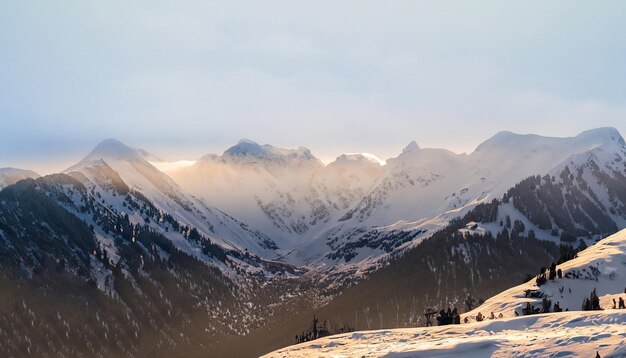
x=163 y=162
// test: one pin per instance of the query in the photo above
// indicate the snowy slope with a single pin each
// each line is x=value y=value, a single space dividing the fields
x=286 y=193
x=575 y=333
x=423 y=189
x=601 y=267
x=601 y=173
x=569 y=334
x=583 y=197
x=435 y=181
x=113 y=168
x=10 y=176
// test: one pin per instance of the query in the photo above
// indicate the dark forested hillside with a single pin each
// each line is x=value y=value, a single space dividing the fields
x=145 y=298
x=444 y=270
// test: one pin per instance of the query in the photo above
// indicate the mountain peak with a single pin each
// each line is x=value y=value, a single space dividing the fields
x=602 y=135
x=246 y=141
x=10 y=176
x=589 y=139
x=411 y=147
x=246 y=147
x=111 y=149
x=510 y=141
x=358 y=158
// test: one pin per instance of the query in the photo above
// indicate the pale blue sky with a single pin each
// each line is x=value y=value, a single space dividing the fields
x=186 y=78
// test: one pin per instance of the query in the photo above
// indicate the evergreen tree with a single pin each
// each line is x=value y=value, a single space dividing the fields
x=592 y=303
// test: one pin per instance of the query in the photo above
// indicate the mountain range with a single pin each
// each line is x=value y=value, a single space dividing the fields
x=202 y=257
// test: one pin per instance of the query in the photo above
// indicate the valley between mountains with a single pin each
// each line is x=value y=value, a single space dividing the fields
x=232 y=255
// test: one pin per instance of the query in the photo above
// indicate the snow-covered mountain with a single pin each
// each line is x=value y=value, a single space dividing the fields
x=421 y=190
x=569 y=331
x=582 y=197
x=10 y=176
x=579 y=201
x=287 y=193
x=112 y=170
x=286 y=204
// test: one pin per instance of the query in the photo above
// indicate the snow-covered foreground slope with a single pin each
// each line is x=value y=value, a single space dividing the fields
x=601 y=267
x=568 y=334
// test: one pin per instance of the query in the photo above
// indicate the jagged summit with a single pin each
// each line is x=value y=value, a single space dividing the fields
x=208 y=158
x=411 y=147
x=246 y=149
x=113 y=149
